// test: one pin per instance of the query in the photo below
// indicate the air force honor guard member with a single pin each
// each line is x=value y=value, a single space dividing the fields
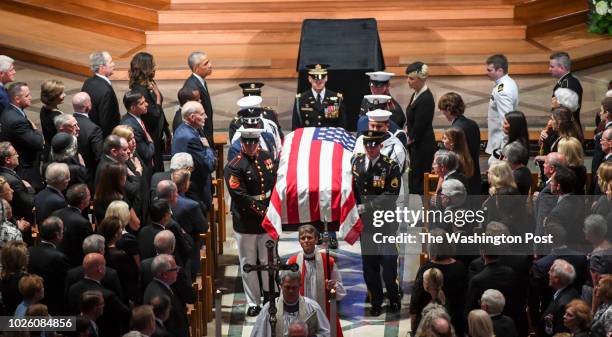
x=392 y=147
x=377 y=182
x=504 y=98
x=379 y=85
x=250 y=177
x=319 y=106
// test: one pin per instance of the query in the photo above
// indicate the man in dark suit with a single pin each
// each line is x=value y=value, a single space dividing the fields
x=143 y=321
x=561 y=277
x=160 y=217
x=165 y=272
x=116 y=316
x=545 y=200
x=540 y=294
x=560 y=66
x=95 y=244
x=92 y=307
x=493 y=302
x=51 y=198
x=136 y=106
x=187 y=139
x=493 y=276
x=23 y=193
x=76 y=226
x=201 y=67
x=16 y=128
x=452 y=106
x=161 y=308
x=179 y=161
x=105 y=108
x=50 y=263
x=164 y=243
x=7 y=75
x=90 y=136
x=115 y=150
x=565 y=211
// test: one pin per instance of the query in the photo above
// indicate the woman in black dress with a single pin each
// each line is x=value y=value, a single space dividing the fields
x=515 y=127
x=419 y=118
x=51 y=95
x=111 y=187
x=454 y=287
x=127 y=269
x=517 y=156
x=142 y=78
x=571 y=148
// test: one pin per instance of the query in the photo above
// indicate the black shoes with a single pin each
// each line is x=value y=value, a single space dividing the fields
x=253 y=311
x=375 y=311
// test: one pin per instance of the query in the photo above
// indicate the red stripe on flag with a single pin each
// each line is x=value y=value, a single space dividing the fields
x=291 y=197
x=267 y=225
x=336 y=192
x=313 y=179
x=352 y=236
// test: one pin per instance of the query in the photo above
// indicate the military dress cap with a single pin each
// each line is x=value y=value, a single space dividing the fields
x=250 y=135
x=249 y=102
x=251 y=88
x=417 y=69
x=380 y=76
x=373 y=137
x=318 y=71
x=378 y=100
x=61 y=141
x=379 y=115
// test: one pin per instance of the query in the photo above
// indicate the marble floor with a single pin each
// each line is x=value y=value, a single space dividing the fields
x=534 y=102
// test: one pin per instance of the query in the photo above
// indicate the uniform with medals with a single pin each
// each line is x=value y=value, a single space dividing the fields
x=318 y=109
x=392 y=146
x=254 y=89
x=377 y=182
x=504 y=98
x=250 y=180
x=250 y=117
x=380 y=79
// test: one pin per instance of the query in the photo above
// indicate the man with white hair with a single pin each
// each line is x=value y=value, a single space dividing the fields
x=187 y=139
x=90 y=137
x=493 y=301
x=51 y=198
x=560 y=67
x=66 y=123
x=291 y=306
x=560 y=278
x=179 y=161
x=7 y=74
x=104 y=105
x=201 y=67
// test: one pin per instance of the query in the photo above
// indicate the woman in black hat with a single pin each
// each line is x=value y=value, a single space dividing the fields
x=419 y=118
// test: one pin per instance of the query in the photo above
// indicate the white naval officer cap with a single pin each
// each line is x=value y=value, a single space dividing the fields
x=249 y=102
x=379 y=115
x=250 y=134
x=380 y=76
x=377 y=99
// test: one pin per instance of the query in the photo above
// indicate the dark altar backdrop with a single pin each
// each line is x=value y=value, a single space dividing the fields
x=351 y=47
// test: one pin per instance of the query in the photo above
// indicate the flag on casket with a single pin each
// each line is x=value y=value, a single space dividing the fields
x=314 y=182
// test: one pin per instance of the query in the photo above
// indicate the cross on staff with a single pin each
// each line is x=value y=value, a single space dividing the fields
x=273 y=267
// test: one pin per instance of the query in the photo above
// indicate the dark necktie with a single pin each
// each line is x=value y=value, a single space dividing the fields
x=370 y=165
x=319 y=98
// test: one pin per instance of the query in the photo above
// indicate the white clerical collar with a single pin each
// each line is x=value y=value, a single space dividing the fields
x=104 y=78
x=314 y=93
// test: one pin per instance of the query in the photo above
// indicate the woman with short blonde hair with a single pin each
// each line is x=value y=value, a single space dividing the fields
x=52 y=95
x=571 y=148
x=480 y=324
x=500 y=175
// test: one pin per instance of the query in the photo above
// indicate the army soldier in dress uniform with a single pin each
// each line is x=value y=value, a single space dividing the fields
x=319 y=106
x=250 y=177
x=254 y=89
x=504 y=98
x=379 y=85
x=392 y=147
x=377 y=182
